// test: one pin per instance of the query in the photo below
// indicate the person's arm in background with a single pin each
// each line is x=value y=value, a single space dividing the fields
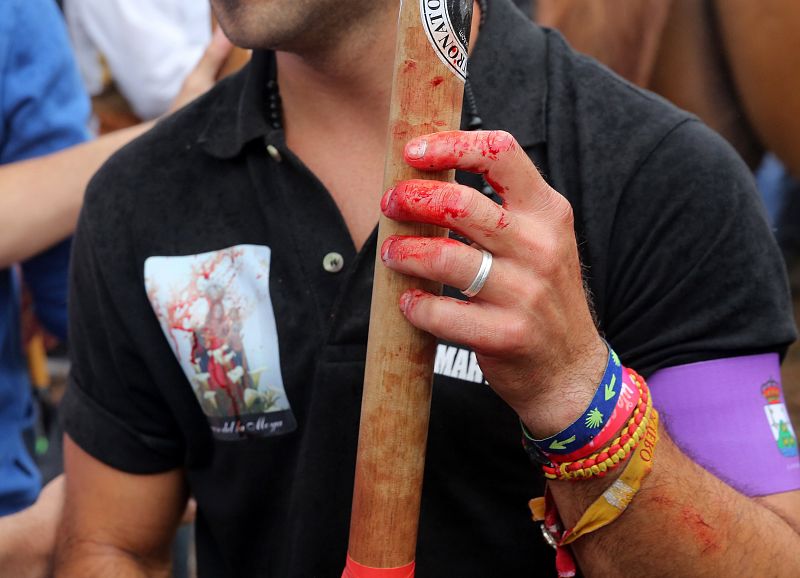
x=149 y=45
x=40 y=198
x=43 y=108
x=45 y=195
x=33 y=532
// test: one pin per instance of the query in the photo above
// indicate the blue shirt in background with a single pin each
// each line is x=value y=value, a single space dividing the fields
x=43 y=108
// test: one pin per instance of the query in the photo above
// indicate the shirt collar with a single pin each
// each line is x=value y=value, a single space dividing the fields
x=240 y=111
x=508 y=70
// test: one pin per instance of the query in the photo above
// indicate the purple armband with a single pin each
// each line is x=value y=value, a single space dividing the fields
x=730 y=417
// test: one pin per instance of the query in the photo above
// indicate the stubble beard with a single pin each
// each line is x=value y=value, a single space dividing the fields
x=293 y=25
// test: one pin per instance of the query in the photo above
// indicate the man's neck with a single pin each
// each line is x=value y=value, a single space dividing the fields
x=345 y=84
x=336 y=114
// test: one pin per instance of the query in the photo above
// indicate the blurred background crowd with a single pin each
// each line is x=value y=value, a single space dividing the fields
x=79 y=78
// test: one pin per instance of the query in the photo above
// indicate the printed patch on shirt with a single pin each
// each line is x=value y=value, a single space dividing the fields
x=779 y=420
x=216 y=313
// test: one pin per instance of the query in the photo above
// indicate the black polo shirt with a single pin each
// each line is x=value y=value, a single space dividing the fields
x=213 y=329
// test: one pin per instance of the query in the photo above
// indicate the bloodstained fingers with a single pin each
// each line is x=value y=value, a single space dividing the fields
x=494 y=154
x=444 y=260
x=453 y=206
x=480 y=326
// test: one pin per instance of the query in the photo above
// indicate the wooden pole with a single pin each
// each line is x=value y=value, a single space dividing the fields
x=427 y=93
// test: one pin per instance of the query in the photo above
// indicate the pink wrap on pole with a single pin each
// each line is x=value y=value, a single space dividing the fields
x=355 y=570
x=729 y=416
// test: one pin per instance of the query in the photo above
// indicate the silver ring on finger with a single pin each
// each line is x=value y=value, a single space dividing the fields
x=481 y=277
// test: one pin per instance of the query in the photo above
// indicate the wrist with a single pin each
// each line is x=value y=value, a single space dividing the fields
x=589 y=459
x=605 y=492
x=569 y=396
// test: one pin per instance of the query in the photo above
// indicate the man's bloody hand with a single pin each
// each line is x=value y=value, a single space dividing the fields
x=530 y=325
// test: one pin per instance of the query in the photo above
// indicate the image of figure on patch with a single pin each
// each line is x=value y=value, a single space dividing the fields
x=216 y=313
x=778 y=418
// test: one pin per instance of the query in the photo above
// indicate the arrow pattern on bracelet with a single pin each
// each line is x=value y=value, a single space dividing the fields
x=557 y=445
x=609 y=388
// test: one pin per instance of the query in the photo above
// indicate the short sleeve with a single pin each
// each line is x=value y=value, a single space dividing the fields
x=113 y=408
x=694 y=273
x=42 y=101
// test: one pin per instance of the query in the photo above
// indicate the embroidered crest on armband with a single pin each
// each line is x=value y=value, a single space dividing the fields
x=778 y=419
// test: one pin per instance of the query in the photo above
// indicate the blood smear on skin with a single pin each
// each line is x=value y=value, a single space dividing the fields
x=421 y=195
x=426 y=250
x=703 y=533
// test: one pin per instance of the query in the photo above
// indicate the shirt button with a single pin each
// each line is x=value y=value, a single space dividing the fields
x=274 y=153
x=333 y=262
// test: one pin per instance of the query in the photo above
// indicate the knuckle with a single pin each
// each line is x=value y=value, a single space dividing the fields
x=487 y=342
x=435 y=320
x=492 y=143
x=517 y=337
x=404 y=190
x=473 y=205
x=558 y=208
x=415 y=305
x=500 y=141
x=550 y=259
x=409 y=197
x=563 y=212
x=444 y=258
x=514 y=227
x=456 y=202
x=534 y=298
x=509 y=339
x=482 y=344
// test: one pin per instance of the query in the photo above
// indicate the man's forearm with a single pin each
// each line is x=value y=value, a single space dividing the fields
x=95 y=560
x=40 y=198
x=683 y=522
x=24 y=553
x=27 y=537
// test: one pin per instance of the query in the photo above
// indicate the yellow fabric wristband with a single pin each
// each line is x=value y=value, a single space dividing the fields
x=609 y=506
x=619 y=495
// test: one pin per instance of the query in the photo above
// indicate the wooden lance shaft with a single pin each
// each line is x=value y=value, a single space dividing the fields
x=426 y=98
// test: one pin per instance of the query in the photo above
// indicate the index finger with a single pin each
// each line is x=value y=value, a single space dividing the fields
x=494 y=154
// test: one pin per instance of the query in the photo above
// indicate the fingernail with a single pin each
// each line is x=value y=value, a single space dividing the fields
x=385 y=249
x=415 y=149
x=385 y=199
x=405 y=301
